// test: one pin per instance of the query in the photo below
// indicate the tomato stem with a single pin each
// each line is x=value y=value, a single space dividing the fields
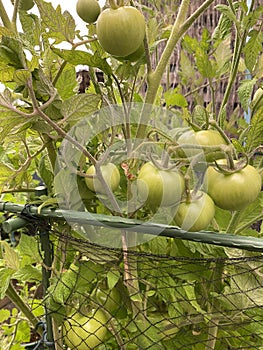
x=214 y=123
x=233 y=222
x=180 y=26
x=113 y=4
x=230 y=160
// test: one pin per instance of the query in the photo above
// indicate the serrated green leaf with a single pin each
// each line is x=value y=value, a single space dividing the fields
x=173 y=98
x=28 y=274
x=21 y=76
x=223 y=28
x=46 y=172
x=31 y=27
x=205 y=65
x=13 y=48
x=6 y=73
x=67 y=84
x=255 y=132
x=65 y=286
x=4 y=315
x=80 y=106
x=5 y=173
x=66 y=187
x=61 y=26
x=223 y=55
x=28 y=246
x=238 y=146
x=252 y=48
x=77 y=57
x=251 y=212
x=200 y=115
x=245 y=92
x=113 y=277
x=5 y=277
x=191 y=296
x=10 y=256
x=228 y=13
x=187 y=71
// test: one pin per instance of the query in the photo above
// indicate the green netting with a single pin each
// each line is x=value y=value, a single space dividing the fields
x=167 y=293
x=177 y=300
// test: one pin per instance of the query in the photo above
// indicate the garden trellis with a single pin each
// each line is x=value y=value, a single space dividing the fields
x=190 y=302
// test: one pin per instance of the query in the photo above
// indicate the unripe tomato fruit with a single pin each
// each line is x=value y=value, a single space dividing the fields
x=196 y=214
x=109 y=299
x=159 y=187
x=25 y=5
x=84 y=332
x=135 y=56
x=88 y=10
x=110 y=174
x=203 y=138
x=120 y=31
x=233 y=191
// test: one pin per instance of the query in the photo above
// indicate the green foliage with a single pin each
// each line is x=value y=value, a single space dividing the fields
x=40 y=108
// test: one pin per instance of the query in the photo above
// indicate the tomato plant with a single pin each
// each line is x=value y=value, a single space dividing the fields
x=121 y=30
x=88 y=10
x=159 y=187
x=236 y=190
x=85 y=331
x=196 y=212
x=111 y=175
x=163 y=81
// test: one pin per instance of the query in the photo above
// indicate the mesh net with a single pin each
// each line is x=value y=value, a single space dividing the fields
x=163 y=295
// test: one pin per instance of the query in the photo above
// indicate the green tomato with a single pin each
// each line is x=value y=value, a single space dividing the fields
x=84 y=332
x=109 y=299
x=120 y=31
x=135 y=56
x=159 y=187
x=110 y=174
x=88 y=10
x=233 y=191
x=196 y=214
x=202 y=138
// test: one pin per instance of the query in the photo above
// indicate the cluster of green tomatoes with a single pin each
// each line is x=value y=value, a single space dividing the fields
x=227 y=186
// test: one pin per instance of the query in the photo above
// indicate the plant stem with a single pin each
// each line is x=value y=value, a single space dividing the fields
x=4 y=16
x=180 y=26
x=22 y=306
x=212 y=334
x=233 y=222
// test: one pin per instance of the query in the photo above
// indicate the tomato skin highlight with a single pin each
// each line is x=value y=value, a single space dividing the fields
x=88 y=10
x=234 y=191
x=159 y=187
x=120 y=31
x=196 y=214
x=84 y=332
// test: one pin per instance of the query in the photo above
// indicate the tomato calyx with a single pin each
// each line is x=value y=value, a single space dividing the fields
x=231 y=166
x=114 y=4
